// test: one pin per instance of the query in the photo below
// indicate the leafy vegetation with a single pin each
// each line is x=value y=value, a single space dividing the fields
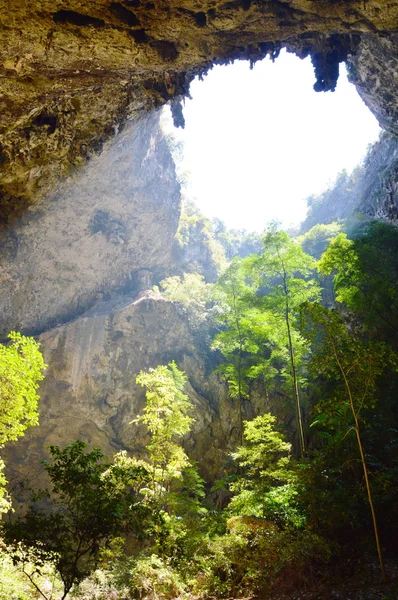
x=193 y=293
x=21 y=366
x=292 y=504
x=88 y=503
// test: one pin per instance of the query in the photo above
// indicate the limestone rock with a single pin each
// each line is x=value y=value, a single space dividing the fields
x=90 y=393
x=374 y=71
x=72 y=71
x=85 y=241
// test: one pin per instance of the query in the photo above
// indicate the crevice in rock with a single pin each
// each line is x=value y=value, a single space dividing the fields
x=74 y=18
x=201 y=19
x=166 y=50
x=124 y=14
x=139 y=35
x=46 y=120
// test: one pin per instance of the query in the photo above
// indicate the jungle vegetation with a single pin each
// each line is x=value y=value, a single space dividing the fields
x=311 y=321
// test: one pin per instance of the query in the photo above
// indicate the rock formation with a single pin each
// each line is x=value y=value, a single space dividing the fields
x=86 y=240
x=89 y=203
x=370 y=191
x=73 y=71
x=90 y=393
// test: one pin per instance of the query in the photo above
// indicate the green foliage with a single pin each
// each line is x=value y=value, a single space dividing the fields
x=151 y=577
x=354 y=367
x=282 y=518
x=259 y=299
x=89 y=502
x=236 y=340
x=15 y=586
x=366 y=276
x=167 y=419
x=342 y=359
x=254 y=557
x=176 y=487
x=282 y=270
x=266 y=485
x=236 y=242
x=21 y=365
x=315 y=241
x=192 y=292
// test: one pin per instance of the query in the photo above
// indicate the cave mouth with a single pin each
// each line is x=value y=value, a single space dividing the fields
x=258 y=140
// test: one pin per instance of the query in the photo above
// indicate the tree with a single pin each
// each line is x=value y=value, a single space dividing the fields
x=89 y=502
x=236 y=341
x=191 y=291
x=176 y=487
x=166 y=417
x=281 y=275
x=354 y=367
x=266 y=486
x=315 y=241
x=365 y=273
x=21 y=366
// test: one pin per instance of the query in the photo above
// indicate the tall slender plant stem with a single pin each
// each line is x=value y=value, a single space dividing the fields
x=362 y=454
x=296 y=390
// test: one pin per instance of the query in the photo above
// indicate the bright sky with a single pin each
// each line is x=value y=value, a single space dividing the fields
x=258 y=142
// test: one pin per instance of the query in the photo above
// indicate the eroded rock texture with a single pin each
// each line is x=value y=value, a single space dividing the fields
x=90 y=393
x=72 y=70
x=374 y=70
x=88 y=239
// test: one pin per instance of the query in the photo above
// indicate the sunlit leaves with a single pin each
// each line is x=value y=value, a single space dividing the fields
x=266 y=485
x=167 y=419
x=365 y=271
x=21 y=365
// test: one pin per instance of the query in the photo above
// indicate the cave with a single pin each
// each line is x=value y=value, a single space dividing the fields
x=90 y=203
x=72 y=77
x=88 y=193
x=89 y=74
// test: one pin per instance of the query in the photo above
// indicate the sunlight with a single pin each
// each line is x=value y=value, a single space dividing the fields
x=258 y=142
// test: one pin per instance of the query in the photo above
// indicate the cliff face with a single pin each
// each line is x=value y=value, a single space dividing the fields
x=73 y=70
x=86 y=240
x=370 y=191
x=89 y=203
x=90 y=393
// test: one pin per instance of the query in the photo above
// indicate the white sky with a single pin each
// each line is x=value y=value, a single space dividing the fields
x=258 y=142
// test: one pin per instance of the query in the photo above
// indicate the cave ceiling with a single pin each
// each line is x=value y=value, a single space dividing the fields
x=72 y=72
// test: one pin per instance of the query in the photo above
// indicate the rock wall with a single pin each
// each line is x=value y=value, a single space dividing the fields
x=370 y=191
x=85 y=241
x=71 y=71
x=90 y=393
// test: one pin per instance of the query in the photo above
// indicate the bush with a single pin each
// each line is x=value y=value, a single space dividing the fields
x=255 y=556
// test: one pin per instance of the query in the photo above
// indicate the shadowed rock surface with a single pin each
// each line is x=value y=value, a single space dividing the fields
x=86 y=240
x=73 y=70
x=90 y=393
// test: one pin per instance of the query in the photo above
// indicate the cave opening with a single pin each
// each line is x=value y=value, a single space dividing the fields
x=258 y=140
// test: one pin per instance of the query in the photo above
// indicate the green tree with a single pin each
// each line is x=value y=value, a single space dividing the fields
x=191 y=291
x=175 y=486
x=89 y=502
x=21 y=366
x=365 y=273
x=266 y=486
x=353 y=366
x=167 y=419
x=237 y=317
x=282 y=276
x=315 y=241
